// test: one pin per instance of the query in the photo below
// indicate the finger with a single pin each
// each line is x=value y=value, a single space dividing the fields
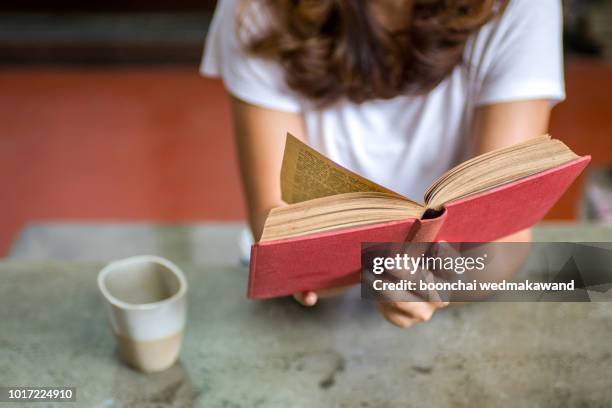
x=424 y=289
x=419 y=311
x=396 y=317
x=433 y=296
x=306 y=298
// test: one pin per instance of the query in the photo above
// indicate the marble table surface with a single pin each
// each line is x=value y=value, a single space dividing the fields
x=341 y=353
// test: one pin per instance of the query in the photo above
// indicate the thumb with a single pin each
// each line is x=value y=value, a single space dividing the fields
x=306 y=298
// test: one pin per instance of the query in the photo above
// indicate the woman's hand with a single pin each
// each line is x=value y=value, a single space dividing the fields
x=406 y=314
x=400 y=314
x=310 y=298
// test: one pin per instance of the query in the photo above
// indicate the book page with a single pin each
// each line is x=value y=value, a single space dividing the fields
x=497 y=168
x=306 y=174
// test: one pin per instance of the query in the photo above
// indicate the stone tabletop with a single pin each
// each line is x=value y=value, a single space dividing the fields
x=240 y=353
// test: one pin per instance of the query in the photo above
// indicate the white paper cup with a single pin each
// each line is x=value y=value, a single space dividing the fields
x=145 y=298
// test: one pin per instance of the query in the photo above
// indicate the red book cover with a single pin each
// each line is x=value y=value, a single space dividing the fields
x=333 y=258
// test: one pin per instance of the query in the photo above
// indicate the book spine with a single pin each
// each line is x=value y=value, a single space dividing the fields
x=252 y=272
x=426 y=230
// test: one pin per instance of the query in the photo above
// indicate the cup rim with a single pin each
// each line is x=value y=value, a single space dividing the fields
x=141 y=259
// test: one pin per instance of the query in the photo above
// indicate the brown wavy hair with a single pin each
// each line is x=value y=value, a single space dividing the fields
x=330 y=49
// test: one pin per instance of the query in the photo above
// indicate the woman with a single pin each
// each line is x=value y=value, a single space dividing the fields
x=398 y=91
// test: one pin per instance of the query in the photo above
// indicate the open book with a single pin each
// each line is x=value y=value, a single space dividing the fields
x=325 y=196
x=315 y=240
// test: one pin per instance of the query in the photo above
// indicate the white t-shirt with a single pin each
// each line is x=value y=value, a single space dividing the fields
x=405 y=143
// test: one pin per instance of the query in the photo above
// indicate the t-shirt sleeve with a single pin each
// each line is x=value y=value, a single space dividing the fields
x=251 y=79
x=523 y=54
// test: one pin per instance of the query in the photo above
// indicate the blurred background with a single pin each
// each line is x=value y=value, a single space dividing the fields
x=103 y=116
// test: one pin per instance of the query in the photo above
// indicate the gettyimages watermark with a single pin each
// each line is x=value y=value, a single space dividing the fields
x=497 y=271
